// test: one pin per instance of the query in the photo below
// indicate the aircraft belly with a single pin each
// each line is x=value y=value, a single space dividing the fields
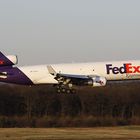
x=39 y=75
x=46 y=80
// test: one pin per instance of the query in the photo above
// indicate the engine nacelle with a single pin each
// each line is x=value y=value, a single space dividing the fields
x=13 y=59
x=9 y=60
x=97 y=81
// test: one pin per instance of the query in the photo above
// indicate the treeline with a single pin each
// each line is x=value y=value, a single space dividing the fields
x=41 y=106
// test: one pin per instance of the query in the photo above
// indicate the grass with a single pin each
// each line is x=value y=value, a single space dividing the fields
x=106 y=133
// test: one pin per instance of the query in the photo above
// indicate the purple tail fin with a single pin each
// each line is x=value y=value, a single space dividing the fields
x=4 y=61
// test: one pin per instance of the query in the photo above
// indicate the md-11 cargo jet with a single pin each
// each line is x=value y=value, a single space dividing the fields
x=65 y=76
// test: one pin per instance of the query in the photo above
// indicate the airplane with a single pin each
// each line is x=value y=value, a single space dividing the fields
x=65 y=76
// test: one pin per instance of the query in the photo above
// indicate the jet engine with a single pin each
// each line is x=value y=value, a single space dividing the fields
x=13 y=59
x=9 y=60
x=96 y=81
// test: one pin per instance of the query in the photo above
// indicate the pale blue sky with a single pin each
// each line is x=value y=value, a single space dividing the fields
x=58 y=31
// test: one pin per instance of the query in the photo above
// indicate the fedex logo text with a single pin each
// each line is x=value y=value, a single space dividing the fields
x=126 y=68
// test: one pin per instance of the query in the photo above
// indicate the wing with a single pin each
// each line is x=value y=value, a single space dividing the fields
x=71 y=76
x=92 y=80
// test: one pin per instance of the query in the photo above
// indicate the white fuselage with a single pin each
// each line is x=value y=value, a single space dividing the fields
x=115 y=70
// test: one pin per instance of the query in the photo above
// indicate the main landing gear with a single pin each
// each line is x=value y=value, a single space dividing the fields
x=65 y=90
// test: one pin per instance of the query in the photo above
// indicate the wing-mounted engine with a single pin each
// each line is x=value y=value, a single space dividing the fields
x=9 y=60
x=96 y=81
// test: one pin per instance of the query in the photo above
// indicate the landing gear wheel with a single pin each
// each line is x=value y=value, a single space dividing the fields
x=63 y=90
x=58 y=91
x=68 y=91
x=73 y=91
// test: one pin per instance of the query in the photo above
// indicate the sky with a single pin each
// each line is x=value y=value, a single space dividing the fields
x=67 y=31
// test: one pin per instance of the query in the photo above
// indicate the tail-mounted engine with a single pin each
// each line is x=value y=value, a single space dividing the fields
x=13 y=59
x=9 y=60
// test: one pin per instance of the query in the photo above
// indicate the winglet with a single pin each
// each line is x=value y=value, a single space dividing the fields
x=51 y=70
